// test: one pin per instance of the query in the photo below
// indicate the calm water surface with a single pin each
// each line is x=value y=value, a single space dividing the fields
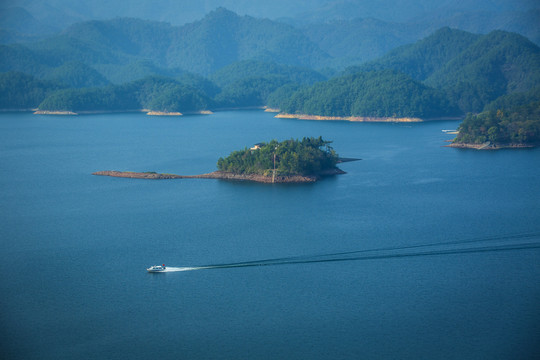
x=74 y=247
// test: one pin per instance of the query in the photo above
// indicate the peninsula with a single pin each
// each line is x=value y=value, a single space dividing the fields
x=290 y=161
x=511 y=128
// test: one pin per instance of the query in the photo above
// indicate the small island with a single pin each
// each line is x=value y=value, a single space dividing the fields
x=510 y=128
x=289 y=161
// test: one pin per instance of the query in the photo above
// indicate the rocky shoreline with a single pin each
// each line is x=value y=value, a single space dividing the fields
x=490 y=146
x=221 y=175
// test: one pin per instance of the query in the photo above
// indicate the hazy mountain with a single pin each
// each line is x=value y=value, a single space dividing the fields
x=522 y=22
x=219 y=39
x=17 y=24
x=359 y=40
x=178 y=12
x=473 y=69
x=405 y=10
x=224 y=37
x=254 y=62
x=76 y=75
x=252 y=68
x=496 y=64
x=425 y=56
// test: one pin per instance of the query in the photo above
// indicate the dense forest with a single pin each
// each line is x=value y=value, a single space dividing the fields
x=513 y=126
x=473 y=70
x=152 y=93
x=375 y=93
x=310 y=156
x=21 y=91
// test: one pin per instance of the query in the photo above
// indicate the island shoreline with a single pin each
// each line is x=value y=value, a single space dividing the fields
x=347 y=118
x=491 y=146
x=221 y=175
x=263 y=108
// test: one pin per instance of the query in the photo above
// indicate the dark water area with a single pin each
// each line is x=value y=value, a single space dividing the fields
x=74 y=247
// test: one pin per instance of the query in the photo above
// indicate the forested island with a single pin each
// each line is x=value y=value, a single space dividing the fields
x=289 y=161
x=510 y=127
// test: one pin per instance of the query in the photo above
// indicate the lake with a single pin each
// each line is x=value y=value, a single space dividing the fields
x=454 y=272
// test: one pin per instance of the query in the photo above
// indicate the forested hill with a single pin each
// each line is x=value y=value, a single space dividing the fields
x=204 y=46
x=424 y=57
x=473 y=70
x=255 y=68
x=368 y=94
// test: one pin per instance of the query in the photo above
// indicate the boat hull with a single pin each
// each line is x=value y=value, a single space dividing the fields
x=156 y=269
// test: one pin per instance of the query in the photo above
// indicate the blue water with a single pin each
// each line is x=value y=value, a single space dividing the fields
x=74 y=247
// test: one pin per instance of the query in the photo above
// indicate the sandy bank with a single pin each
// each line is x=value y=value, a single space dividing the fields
x=46 y=112
x=164 y=113
x=347 y=118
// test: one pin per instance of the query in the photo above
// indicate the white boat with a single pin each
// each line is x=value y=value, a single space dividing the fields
x=157 y=268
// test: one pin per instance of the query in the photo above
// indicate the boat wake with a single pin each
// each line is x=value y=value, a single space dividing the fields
x=176 y=269
x=479 y=245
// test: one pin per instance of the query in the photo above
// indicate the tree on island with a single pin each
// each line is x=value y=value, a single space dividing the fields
x=310 y=156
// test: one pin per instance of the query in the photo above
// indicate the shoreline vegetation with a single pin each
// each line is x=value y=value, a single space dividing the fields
x=510 y=127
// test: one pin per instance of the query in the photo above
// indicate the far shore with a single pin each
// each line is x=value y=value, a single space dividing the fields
x=221 y=175
x=348 y=118
x=264 y=108
x=147 y=111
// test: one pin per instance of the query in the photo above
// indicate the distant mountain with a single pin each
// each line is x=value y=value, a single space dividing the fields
x=227 y=60
x=223 y=37
x=176 y=12
x=407 y=20
x=251 y=82
x=76 y=75
x=202 y=47
x=501 y=59
x=473 y=69
x=373 y=94
x=17 y=24
x=137 y=69
x=496 y=64
x=352 y=36
x=406 y=11
x=423 y=57
x=524 y=22
x=359 y=40
x=253 y=68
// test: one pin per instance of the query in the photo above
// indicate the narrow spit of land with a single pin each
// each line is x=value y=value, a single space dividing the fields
x=221 y=175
